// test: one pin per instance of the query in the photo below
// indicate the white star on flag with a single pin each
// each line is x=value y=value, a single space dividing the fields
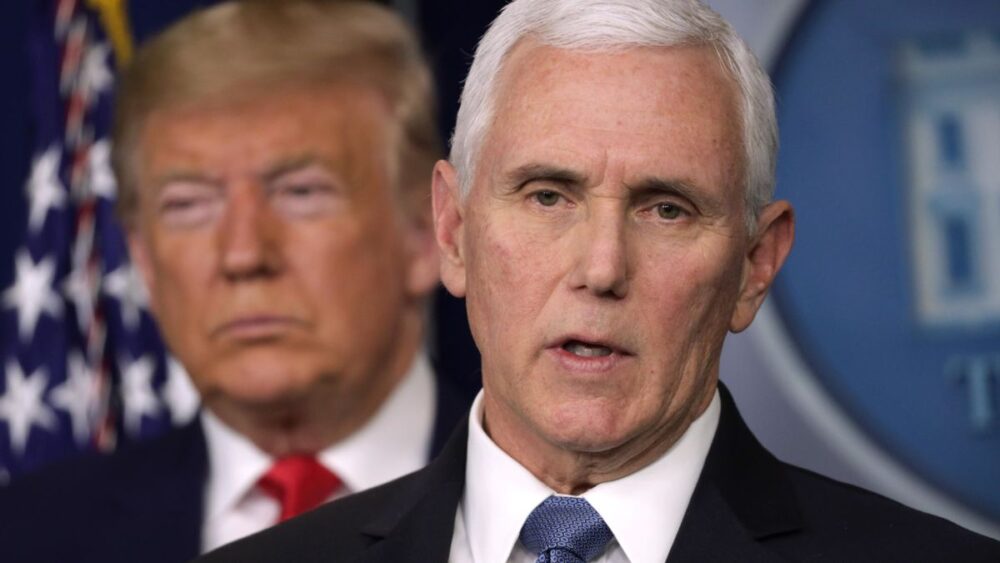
x=125 y=285
x=138 y=398
x=22 y=406
x=102 y=181
x=45 y=191
x=32 y=292
x=95 y=76
x=179 y=393
x=78 y=397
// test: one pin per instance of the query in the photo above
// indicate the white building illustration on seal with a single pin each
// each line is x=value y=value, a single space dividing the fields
x=951 y=123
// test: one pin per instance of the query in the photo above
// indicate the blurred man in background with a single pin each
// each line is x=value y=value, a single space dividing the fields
x=273 y=162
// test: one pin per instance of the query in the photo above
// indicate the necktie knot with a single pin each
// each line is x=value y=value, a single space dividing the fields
x=565 y=530
x=299 y=483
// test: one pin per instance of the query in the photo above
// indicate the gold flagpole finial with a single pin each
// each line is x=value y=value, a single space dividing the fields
x=115 y=21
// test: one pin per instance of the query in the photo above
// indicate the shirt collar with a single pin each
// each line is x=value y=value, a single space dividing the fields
x=395 y=441
x=235 y=465
x=644 y=510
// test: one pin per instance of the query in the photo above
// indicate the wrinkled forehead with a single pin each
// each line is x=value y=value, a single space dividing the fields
x=655 y=103
x=530 y=53
x=684 y=66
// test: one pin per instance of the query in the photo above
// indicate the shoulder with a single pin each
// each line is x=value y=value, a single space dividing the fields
x=802 y=515
x=851 y=523
x=95 y=506
x=91 y=475
x=336 y=531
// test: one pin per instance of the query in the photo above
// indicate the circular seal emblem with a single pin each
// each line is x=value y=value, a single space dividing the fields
x=890 y=116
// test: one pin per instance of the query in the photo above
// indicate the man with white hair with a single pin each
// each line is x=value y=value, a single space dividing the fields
x=607 y=213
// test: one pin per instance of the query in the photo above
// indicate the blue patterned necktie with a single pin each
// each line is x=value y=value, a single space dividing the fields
x=565 y=530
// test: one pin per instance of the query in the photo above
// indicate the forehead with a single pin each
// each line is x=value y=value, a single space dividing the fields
x=656 y=109
x=336 y=124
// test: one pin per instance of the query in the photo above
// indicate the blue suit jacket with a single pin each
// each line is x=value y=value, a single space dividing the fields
x=747 y=507
x=141 y=504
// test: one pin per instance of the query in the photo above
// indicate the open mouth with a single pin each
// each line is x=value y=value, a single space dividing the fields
x=586 y=349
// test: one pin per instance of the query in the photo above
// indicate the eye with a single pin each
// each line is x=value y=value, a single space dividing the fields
x=547 y=198
x=301 y=190
x=303 y=200
x=187 y=205
x=668 y=211
x=308 y=192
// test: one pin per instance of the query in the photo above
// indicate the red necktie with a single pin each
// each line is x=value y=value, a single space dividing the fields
x=299 y=483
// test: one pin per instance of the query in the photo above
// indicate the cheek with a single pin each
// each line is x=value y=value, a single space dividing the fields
x=350 y=269
x=182 y=303
x=688 y=301
x=181 y=278
x=506 y=283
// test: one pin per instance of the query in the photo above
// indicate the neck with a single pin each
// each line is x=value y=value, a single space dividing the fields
x=311 y=421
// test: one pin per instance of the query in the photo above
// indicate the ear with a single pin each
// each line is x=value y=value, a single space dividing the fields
x=139 y=253
x=767 y=253
x=422 y=255
x=449 y=227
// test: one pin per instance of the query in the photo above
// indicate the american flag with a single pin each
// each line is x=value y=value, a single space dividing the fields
x=83 y=367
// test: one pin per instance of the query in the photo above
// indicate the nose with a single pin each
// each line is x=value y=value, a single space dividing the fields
x=601 y=257
x=248 y=236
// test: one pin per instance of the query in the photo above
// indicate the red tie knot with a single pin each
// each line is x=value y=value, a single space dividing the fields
x=299 y=483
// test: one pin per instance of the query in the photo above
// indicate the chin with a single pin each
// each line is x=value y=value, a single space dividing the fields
x=587 y=431
x=263 y=382
x=260 y=396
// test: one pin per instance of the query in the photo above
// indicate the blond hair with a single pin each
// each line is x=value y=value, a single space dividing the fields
x=238 y=47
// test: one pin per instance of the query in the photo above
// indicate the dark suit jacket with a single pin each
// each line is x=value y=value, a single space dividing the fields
x=140 y=505
x=747 y=507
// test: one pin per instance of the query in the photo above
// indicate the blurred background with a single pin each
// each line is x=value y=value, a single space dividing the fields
x=876 y=360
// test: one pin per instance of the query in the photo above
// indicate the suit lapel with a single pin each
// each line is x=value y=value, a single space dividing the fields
x=742 y=498
x=424 y=533
x=419 y=527
x=712 y=532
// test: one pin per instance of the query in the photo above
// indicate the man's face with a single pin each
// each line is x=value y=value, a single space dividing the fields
x=282 y=270
x=602 y=249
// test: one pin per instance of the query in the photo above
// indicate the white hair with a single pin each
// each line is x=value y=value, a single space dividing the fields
x=615 y=24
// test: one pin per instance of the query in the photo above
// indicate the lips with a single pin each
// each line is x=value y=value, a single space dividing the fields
x=586 y=350
x=589 y=356
x=590 y=347
x=255 y=327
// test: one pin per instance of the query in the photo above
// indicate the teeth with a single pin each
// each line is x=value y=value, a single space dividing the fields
x=586 y=350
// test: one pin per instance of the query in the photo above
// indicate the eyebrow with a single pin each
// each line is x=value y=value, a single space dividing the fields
x=534 y=171
x=646 y=187
x=185 y=176
x=271 y=174
x=289 y=165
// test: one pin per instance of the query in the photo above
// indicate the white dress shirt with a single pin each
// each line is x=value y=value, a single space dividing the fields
x=643 y=510
x=394 y=442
